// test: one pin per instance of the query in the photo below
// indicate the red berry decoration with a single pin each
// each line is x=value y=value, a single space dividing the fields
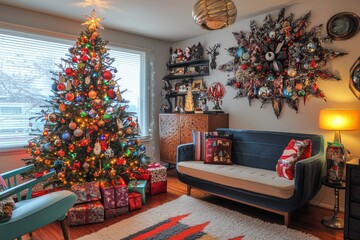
x=69 y=71
x=60 y=86
x=111 y=93
x=107 y=75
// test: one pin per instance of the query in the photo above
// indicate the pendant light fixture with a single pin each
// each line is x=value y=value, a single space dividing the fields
x=214 y=14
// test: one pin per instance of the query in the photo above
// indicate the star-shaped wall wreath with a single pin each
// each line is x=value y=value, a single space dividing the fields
x=280 y=62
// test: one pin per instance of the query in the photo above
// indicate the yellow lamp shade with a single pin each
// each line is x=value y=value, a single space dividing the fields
x=339 y=119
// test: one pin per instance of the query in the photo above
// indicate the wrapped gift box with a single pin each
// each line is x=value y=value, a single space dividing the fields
x=111 y=213
x=135 y=201
x=92 y=212
x=158 y=178
x=114 y=196
x=138 y=186
x=86 y=192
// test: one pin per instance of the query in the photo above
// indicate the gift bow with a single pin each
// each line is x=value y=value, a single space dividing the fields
x=154 y=165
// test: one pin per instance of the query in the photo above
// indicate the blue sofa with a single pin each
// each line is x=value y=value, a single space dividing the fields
x=255 y=153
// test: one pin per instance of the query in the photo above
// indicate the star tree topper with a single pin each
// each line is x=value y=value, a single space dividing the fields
x=93 y=22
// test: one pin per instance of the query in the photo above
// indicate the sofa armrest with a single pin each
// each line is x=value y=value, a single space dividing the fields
x=185 y=152
x=308 y=173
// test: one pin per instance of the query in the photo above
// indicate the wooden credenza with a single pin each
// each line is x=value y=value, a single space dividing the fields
x=352 y=200
x=176 y=129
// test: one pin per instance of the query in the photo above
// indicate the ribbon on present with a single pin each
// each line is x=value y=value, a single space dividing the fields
x=154 y=165
x=134 y=200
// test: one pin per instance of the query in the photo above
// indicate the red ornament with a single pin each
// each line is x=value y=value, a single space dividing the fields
x=70 y=97
x=84 y=51
x=71 y=147
x=75 y=59
x=237 y=84
x=84 y=58
x=69 y=71
x=77 y=165
x=61 y=153
x=259 y=68
x=89 y=149
x=244 y=66
x=111 y=93
x=107 y=75
x=129 y=118
x=84 y=39
x=38 y=174
x=60 y=86
x=132 y=124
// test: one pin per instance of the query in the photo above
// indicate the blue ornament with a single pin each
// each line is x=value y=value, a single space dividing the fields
x=78 y=99
x=95 y=75
x=54 y=87
x=129 y=143
x=142 y=148
x=123 y=144
x=240 y=51
x=47 y=146
x=58 y=164
x=135 y=153
x=102 y=137
x=66 y=136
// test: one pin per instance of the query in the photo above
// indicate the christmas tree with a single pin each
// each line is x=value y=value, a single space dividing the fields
x=88 y=135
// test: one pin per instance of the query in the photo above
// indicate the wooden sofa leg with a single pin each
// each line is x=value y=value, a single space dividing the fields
x=287 y=219
x=188 y=190
x=64 y=229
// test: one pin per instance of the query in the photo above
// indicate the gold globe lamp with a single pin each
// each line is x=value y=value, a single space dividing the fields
x=214 y=14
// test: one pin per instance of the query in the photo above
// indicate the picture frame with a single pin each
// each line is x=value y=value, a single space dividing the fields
x=179 y=71
x=343 y=25
x=197 y=84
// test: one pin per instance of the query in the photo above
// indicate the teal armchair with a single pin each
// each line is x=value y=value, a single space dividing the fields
x=33 y=213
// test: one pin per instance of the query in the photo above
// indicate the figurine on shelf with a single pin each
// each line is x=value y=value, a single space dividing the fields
x=180 y=55
x=187 y=54
x=197 y=51
x=213 y=53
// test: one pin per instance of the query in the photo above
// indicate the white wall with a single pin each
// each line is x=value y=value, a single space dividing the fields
x=338 y=94
x=18 y=19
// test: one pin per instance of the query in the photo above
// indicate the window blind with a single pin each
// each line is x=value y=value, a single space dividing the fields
x=26 y=61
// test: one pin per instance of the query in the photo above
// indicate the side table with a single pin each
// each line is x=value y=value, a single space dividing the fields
x=334 y=221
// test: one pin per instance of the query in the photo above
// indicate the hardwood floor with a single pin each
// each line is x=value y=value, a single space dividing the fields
x=307 y=219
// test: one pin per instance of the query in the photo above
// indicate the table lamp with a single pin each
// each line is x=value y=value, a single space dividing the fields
x=337 y=120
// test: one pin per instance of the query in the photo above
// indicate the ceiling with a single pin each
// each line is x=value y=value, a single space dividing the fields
x=168 y=20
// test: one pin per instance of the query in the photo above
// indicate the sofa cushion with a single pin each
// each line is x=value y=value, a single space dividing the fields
x=295 y=151
x=256 y=180
x=199 y=139
x=218 y=151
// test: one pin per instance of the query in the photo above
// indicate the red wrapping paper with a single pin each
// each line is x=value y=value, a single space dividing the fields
x=135 y=201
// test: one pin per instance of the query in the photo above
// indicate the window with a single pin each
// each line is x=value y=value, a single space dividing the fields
x=26 y=62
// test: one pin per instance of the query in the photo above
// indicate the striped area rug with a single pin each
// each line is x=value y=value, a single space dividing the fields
x=189 y=218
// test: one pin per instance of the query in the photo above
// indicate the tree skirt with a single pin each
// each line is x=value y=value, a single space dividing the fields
x=191 y=218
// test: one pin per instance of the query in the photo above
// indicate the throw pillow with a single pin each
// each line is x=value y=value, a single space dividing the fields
x=6 y=205
x=199 y=139
x=218 y=151
x=295 y=151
